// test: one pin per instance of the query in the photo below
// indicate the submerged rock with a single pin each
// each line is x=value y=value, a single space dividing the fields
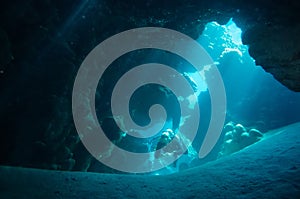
x=238 y=138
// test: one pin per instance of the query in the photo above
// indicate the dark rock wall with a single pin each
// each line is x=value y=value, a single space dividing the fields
x=274 y=41
x=43 y=43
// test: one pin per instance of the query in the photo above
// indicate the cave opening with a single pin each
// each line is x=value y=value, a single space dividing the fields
x=246 y=85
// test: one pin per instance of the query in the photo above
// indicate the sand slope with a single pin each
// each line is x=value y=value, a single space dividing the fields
x=267 y=169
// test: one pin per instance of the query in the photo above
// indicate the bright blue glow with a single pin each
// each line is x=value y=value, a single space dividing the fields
x=235 y=32
x=248 y=87
x=230 y=36
x=199 y=79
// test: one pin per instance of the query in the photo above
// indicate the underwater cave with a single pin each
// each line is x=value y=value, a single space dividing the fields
x=149 y=99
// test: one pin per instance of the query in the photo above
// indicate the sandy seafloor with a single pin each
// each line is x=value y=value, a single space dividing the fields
x=267 y=169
